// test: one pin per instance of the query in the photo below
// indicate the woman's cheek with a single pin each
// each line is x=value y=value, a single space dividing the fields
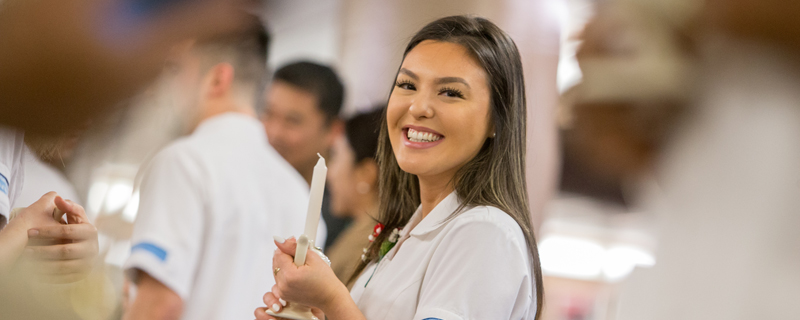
x=395 y=109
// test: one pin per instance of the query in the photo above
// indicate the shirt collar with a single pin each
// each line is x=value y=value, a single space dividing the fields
x=436 y=218
x=233 y=121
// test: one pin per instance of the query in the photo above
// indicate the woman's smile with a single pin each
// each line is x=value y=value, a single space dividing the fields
x=417 y=137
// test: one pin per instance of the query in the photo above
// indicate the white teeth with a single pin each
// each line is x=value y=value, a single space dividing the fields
x=417 y=136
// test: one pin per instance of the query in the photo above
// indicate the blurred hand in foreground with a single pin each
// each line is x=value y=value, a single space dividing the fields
x=60 y=245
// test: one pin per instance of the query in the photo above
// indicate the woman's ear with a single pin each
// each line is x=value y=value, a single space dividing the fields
x=221 y=79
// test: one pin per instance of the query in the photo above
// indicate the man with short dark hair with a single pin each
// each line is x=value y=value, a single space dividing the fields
x=302 y=119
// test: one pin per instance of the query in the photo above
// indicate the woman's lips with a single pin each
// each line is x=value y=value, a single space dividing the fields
x=420 y=137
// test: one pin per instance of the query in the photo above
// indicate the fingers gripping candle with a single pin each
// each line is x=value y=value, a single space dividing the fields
x=315 y=200
x=297 y=311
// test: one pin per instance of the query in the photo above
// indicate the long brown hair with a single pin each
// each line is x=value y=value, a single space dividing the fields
x=496 y=176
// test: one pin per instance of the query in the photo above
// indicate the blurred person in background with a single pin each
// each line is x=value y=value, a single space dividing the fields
x=302 y=120
x=728 y=170
x=211 y=202
x=353 y=173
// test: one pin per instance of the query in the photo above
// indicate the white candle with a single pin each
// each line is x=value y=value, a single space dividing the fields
x=315 y=199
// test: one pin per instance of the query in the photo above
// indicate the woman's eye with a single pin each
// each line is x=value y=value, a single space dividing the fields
x=405 y=85
x=451 y=93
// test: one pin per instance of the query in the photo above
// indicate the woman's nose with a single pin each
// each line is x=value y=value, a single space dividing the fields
x=421 y=107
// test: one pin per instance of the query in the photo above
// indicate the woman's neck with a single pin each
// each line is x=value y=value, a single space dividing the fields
x=433 y=190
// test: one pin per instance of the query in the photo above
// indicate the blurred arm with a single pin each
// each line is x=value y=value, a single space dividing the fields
x=154 y=301
x=13 y=239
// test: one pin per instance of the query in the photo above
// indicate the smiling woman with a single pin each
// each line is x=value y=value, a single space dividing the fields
x=453 y=198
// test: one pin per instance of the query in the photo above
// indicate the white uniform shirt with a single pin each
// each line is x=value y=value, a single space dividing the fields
x=12 y=154
x=41 y=178
x=475 y=266
x=210 y=206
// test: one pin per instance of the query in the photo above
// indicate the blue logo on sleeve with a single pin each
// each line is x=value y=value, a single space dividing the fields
x=157 y=251
x=432 y=319
x=3 y=184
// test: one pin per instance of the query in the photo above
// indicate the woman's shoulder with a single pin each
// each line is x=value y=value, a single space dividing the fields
x=480 y=236
x=483 y=222
x=487 y=216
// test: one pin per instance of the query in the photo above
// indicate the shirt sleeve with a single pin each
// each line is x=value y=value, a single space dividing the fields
x=480 y=270
x=12 y=173
x=168 y=232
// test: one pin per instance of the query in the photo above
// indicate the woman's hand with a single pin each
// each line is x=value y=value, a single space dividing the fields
x=313 y=284
x=65 y=252
x=276 y=305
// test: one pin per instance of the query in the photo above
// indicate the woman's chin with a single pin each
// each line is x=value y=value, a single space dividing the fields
x=417 y=168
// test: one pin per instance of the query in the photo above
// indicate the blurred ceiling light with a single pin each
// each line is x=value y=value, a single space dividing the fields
x=571 y=257
x=573 y=16
x=118 y=195
x=586 y=259
x=129 y=213
x=112 y=189
x=97 y=193
x=621 y=260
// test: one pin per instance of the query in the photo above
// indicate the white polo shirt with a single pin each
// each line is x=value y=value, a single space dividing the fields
x=210 y=206
x=474 y=266
x=12 y=173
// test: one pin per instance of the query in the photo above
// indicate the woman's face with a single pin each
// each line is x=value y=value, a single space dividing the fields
x=438 y=114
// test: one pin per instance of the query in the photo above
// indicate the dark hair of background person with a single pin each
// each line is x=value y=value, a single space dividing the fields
x=496 y=176
x=246 y=51
x=362 y=132
x=319 y=80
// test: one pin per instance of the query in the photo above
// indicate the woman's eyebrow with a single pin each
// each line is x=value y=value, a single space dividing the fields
x=409 y=73
x=446 y=80
x=443 y=80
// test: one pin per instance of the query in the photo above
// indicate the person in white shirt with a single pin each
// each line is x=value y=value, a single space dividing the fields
x=456 y=240
x=211 y=202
